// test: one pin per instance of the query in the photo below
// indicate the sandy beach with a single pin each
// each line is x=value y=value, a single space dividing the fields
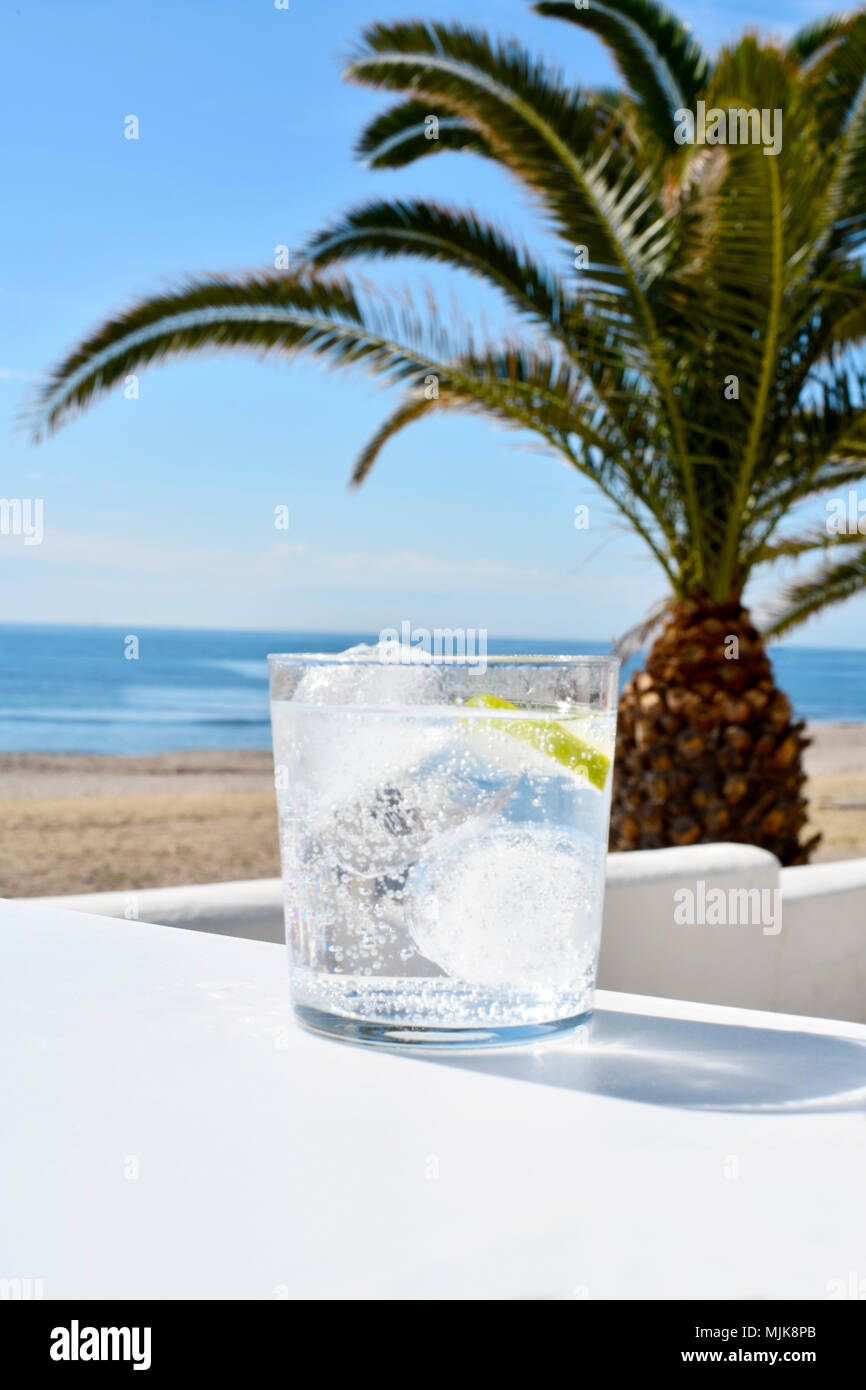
x=78 y=823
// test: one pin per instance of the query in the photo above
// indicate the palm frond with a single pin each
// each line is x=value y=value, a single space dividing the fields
x=724 y=307
x=413 y=408
x=806 y=543
x=545 y=133
x=455 y=238
x=816 y=447
x=656 y=54
x=637 y=636
x=265 y=313
x=814 y=37
x=831 y=584
x=406 y=132
x=836 y=86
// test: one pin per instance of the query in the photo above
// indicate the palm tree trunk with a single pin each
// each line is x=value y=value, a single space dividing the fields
x=706 y=745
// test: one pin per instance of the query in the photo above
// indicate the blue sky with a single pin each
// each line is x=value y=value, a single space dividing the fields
x=160 y=511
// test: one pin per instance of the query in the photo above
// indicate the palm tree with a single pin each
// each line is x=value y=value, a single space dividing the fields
x=689 y=347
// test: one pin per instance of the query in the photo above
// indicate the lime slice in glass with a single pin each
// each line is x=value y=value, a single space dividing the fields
x=550 y=738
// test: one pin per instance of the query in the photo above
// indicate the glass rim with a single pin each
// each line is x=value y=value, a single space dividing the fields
x=344 y=659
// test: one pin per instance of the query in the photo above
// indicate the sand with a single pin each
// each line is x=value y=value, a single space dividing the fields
x=78 y=823
x=836 y=768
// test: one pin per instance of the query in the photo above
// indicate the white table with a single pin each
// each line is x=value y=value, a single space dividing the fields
x=169 y=1133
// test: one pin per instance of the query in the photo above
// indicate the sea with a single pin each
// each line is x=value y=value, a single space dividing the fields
x=92 y=690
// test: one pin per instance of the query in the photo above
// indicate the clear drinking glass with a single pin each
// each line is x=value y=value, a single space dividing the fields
x=443 y=833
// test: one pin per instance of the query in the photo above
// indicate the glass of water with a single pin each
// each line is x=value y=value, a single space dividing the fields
x=443 y=834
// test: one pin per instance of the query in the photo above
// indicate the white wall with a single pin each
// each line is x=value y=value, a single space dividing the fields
x=645 y=951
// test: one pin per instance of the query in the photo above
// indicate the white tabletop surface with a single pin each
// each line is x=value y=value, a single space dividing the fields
x=168 y=1132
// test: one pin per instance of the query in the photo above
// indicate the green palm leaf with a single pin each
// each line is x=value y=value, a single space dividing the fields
x=815 y=37
x=662 y=63
x=265 y=313
x=459 y=239
x=414 y=408
x=831 y=584
x=405 y=133
x=546 y=133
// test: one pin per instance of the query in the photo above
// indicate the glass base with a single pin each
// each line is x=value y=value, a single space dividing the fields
x=381 y=1034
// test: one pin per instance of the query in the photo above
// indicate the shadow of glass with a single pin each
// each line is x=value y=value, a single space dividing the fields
x=695 y=1065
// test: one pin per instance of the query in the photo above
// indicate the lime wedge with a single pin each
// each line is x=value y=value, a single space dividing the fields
x=550 y=738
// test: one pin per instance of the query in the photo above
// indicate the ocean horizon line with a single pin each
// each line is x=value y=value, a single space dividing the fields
x=358 y=635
